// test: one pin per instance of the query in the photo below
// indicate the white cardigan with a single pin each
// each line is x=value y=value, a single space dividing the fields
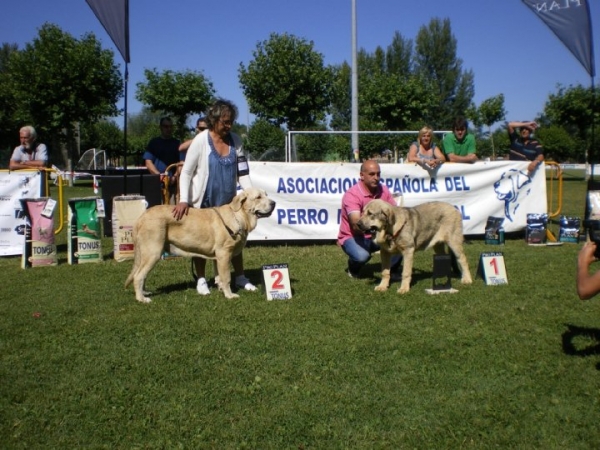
x=194 y=174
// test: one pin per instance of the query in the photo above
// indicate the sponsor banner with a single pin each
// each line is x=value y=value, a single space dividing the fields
x=15 y=185
x=309 y=195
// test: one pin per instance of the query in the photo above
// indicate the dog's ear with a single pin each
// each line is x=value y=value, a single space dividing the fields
x=399 y=220
x=238 y=201
x=390 y=217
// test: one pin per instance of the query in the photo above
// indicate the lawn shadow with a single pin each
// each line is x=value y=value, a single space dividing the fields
x=62 y=249
x=254 y=275
x=573 y=332
x=174 y=287
x=418 y=275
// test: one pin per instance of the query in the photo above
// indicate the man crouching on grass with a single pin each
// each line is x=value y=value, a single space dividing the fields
x=356 y=244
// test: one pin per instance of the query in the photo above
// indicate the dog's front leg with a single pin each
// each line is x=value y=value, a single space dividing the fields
x=386 y=264
x=223 y=261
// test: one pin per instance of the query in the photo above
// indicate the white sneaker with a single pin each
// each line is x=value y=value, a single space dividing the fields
x=244 y=283
x=202 y=287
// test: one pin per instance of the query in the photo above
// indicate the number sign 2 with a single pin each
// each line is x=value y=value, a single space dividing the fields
x=492 y=269
x=277 y=282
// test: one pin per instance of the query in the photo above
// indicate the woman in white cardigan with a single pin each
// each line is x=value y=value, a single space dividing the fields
x=214 y=165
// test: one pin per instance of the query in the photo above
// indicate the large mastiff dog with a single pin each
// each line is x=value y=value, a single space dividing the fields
x=404 y=230
x=212 y=233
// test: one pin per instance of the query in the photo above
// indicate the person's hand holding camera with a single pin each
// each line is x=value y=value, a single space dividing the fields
x=587 y=254
x=587 y=285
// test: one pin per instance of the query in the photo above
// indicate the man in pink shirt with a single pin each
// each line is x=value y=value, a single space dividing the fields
x=357 y=245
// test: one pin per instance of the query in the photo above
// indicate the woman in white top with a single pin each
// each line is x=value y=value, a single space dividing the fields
x=424 y=152
x=214 y=165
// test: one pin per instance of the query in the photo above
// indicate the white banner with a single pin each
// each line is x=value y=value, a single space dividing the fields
x=14 y=186
x=309 y=195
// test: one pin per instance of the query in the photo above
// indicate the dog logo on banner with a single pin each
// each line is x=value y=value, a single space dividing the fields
x=512 y=185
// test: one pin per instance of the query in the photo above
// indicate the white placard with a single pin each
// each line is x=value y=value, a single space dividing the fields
x=48 y=210
x=277 y=282
x=100 y=211
x=492 y=268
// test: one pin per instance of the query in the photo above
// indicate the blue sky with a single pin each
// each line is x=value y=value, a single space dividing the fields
x=508 y=48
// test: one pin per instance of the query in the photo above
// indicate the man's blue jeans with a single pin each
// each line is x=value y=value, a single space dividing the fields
x=359 y=250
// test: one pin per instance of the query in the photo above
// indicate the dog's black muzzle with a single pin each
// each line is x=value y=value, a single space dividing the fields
x=263 y=214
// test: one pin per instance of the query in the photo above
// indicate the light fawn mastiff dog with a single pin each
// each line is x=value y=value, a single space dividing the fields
x=404 y=230
x=211 y=233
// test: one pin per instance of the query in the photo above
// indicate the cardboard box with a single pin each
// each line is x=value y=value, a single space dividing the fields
x=494 y=233
x=569 y=229
x=535 y=232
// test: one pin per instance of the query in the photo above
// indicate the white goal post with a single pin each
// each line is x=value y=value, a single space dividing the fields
x=290 y=150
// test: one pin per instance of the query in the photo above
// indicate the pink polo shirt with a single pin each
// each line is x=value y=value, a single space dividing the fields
x=354 y=200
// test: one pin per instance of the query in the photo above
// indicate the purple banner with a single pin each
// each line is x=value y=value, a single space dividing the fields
x=114 y=17
x=570 y=21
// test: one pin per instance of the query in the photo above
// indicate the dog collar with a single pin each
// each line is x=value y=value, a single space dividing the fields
x=395 y=235
x=229 y=230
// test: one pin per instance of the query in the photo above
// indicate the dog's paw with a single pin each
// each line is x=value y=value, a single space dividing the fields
x=403 y=289
x=144 y=300
x=232 y=295
x=381 y=288
x=466 y=280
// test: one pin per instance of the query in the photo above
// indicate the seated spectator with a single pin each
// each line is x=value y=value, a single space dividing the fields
x=201 y=125
x=162 y=152
x=522 y=145
x=424 y=152
x=28 y=155
x=460 y=145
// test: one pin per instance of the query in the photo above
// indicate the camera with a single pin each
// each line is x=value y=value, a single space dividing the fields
x=593 y=227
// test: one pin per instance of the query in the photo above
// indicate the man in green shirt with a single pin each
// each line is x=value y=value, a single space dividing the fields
x=460 y=145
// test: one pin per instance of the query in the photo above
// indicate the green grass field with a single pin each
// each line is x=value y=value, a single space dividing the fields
x=83 y=365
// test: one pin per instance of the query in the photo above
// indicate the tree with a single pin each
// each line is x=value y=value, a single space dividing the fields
x=436 y=61
x=574 y=108
x=490 y=111
x=560 y=145
x=340 y=107
x=390 y=96
x=571 y=107
x=141 y=127
x=59 y=81
x=266 y=142
x=399 y=56
x=287 y=83
x=8 y=124
x=177 y=94
x=105 y=135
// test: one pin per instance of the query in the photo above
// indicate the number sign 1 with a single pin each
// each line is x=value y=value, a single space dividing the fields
x=492 y=269
x=277 y=282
